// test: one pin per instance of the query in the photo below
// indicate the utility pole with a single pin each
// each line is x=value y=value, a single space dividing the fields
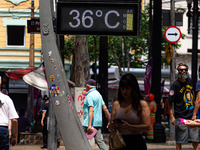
x=31 y=64
x=159 y=131
x=103 y=73
x=31 y=56
x=150 y=29
x=172 y=64
x=195 y=43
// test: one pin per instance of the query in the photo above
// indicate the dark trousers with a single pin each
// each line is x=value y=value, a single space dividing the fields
x=45 y=133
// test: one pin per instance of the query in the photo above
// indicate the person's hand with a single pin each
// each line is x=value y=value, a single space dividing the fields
x=13 y=140
x=113 y=125
x=89 y=129
x=123 y=125
x=108 y=125
x=192 y=124
x=173 y=120
x=42 y=122
x=197 y=120
x=194 y=116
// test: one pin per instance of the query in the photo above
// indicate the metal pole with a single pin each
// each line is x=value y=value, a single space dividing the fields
x=195 y=43
x=30 y=112
x=67 y=118
x=150 y=29
x=52 y=124
x=103 y=73
x=31 y=56
x=95 y=57
x=172 y=65
x=159 y=131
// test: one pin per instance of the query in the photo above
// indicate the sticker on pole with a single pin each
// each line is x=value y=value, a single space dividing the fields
x=172 y=34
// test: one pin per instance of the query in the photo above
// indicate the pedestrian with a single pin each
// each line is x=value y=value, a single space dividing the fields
x=92 y=113
x=182 y=95
x=133 y=112
x=166 y=110
x=7 y=113
x=44 y=119
x=23 y=123
x=197 y=102
x=153 y=109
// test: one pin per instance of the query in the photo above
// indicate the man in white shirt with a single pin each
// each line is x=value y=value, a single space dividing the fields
x=7 y=112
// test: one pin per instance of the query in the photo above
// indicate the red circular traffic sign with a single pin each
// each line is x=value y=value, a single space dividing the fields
x=172 y=34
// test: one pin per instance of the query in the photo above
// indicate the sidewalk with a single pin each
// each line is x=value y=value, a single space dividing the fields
x=150 y=146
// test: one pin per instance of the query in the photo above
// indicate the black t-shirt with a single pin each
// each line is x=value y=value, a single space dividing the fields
x=46 y=108
x=182 y=94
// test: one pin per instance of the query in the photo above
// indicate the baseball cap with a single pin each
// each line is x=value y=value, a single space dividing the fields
x=91 y=82
x=45 y=97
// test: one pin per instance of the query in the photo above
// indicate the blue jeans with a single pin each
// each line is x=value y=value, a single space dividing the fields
x=4 y=139
x=98 y=138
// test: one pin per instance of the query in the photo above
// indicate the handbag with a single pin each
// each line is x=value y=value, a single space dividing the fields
x=115 y=140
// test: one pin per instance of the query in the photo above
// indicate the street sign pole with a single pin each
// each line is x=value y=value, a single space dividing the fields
x=172 y=69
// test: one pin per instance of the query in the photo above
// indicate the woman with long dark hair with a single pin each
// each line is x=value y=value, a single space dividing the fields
x=133 y=112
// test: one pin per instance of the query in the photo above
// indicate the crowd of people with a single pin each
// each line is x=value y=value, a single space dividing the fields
x=131 y=114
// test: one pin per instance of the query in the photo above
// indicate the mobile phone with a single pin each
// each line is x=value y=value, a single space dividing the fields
x=118 y=121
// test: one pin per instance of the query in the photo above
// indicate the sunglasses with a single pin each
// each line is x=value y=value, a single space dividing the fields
x=182 y=70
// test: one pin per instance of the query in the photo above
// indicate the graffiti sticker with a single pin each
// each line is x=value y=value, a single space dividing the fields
x=84 y=92
x=57 y=103
x=52 y=60
x=54 y=67
x=52 y=77
x=54 y=90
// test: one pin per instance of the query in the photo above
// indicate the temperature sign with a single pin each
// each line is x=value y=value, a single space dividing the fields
x=98 y=18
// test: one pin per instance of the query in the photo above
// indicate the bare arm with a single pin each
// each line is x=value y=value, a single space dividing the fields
x=91 y=111
x=14 y=127
x=105 y=109
x=171 y=113
x=197 y=105
x=113 y=110
x=43 y=115
x=113 y=114
x=9 y=128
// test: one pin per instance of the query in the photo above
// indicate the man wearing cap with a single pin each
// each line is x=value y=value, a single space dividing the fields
x=7 y=113
x=92 y=113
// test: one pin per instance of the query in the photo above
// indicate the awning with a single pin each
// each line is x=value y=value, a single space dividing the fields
x=34 y=76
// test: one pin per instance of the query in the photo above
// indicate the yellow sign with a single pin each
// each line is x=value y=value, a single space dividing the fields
x=169 y=52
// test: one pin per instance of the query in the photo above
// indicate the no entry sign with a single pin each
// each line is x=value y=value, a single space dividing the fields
x=172 y=34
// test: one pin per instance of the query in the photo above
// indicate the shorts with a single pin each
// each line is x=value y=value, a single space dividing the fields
x=183 y=134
